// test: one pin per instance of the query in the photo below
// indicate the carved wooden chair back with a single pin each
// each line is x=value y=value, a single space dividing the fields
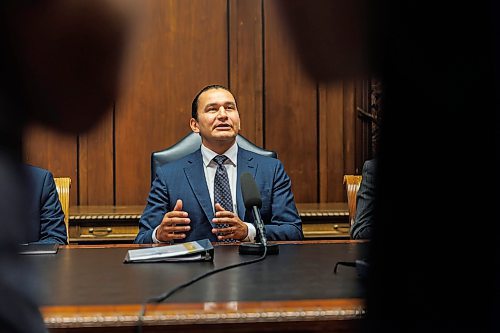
x=352 y=183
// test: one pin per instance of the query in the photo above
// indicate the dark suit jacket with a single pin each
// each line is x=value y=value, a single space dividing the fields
x=46 y=217
x=185 y=179
x=363 y=222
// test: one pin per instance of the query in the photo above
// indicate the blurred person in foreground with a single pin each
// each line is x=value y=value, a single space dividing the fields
x=59 y=66
x=432 y=264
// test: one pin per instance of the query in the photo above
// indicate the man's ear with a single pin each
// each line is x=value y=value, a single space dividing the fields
x=194 y=125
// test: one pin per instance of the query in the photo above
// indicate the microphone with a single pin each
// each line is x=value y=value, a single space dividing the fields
x=253 y=201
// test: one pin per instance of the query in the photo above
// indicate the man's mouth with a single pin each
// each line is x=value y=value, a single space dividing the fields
x=223 y=126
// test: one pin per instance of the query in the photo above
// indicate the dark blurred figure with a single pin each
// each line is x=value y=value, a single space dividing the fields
x=59 y=66
x=362 y=228
x=433 y=263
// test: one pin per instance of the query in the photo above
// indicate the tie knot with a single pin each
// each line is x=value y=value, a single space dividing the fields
x=220 y=159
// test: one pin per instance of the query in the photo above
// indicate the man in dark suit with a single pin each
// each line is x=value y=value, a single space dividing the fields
x=183 y=204
x=46 y=217
x=365 y=205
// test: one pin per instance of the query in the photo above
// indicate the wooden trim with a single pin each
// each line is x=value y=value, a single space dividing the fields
x=106 y=212
x=131 y=246
x=332 y=209
x=203 y=313
x=105 y=217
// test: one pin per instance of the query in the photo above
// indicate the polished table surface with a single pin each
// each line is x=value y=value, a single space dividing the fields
x=90 y=286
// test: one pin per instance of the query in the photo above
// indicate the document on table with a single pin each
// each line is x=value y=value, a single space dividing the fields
x=201 y=250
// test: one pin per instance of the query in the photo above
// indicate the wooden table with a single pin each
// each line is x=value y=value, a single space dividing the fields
x=89 y=288
x=329 y=220
x=104 y=223
x=119 y=224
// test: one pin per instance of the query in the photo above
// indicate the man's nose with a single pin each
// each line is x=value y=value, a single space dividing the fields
x=222 y=112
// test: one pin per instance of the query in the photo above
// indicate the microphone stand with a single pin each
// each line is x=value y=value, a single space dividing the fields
x=258 y=248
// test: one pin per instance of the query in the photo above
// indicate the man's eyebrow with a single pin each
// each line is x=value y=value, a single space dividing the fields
x=215 y=104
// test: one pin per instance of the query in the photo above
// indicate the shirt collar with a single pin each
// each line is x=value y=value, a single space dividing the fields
x=231 y=154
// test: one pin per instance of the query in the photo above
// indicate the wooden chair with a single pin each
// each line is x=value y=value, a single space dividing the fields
x=352 y=183
x=63 y=185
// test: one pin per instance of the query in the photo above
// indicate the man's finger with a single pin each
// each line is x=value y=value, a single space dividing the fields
x=224 y=213
x=226 y=236
x=232 y=222
x=224 y=231
x=178 y=205
x=177 y=220
x=180 y=229
x=219 y=208
x=176 y=236
x=175 y=213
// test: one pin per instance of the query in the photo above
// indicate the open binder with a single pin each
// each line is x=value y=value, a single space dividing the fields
x=38 y=248
x=201 y=250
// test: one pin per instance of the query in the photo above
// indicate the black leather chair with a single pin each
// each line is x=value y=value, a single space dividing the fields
x=191 y=143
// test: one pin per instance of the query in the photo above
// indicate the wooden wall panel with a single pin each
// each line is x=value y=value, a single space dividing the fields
x=331 y=133
x=364 y=131
x=184 y=47
x=245 y=54
x=291 y=112
x=53 y=151
x=95 y=164
x=349 y=128
x=337 y=133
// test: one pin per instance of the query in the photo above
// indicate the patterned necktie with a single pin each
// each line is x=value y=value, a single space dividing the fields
x=222 y=191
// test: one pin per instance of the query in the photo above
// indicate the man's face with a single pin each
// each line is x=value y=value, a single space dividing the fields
x=218 y=118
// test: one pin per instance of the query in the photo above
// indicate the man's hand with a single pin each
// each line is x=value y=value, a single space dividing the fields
x=237 y=229
x=169 y=229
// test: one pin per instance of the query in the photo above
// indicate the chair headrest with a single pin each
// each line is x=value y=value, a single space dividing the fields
x=192 y=142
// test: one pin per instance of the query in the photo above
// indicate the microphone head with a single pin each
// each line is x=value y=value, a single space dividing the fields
x=250 y=192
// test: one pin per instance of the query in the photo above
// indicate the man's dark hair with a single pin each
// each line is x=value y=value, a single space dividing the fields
x=194 y=105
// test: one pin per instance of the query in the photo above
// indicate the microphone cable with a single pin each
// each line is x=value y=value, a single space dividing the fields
x=164 y=296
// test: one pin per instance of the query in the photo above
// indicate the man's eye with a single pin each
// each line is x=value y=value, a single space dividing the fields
x=230 y=107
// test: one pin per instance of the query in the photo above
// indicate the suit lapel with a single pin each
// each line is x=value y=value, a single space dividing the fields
x=246 y=163
x=196 y=178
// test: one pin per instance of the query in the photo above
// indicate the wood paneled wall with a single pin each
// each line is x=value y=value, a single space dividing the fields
x=186 y=45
